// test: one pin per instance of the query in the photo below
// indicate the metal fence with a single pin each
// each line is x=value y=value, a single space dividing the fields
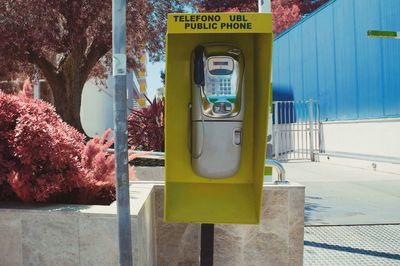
x=296 y=130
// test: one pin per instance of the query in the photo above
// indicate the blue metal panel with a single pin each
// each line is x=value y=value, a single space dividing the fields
x=329 y=58
x=326 y=71
x=275 y=70
x=346 y=80
x=286 y=92
x=281 y=74
x=309 y=50
x=296 y=63
x=368 y=53
x=390 y=10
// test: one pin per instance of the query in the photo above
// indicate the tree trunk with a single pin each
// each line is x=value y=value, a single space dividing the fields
x=68 y=80
x=67 y=100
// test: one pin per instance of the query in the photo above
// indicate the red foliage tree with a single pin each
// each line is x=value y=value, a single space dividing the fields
x=288 y=12
x=27 y=88
x=227 y=6
x=285 y=12
x=43 y=159
x=66 y=39
x=146 y=127
x=99 y=171
x=40 y=152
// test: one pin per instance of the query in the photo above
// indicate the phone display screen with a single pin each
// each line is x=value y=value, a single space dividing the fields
x=220 y=63
x=221 y=78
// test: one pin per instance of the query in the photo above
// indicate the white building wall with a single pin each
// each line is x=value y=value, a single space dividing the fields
x=378 y=137
x=97 y=108
x=97 y=104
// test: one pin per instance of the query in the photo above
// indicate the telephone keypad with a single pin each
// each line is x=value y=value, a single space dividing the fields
x=221 y=87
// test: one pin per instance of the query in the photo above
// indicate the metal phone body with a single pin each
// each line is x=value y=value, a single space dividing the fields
x=217 y=110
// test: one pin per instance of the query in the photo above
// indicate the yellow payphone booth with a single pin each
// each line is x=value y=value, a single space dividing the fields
x=217 y=100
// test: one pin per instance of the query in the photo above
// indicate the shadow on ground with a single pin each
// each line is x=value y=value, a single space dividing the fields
x=311 y=207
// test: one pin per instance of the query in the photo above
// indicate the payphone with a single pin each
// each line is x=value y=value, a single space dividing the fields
x=217 y=110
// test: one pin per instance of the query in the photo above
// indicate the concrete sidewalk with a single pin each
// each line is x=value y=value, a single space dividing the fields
x=344 y=195
x=355 y=206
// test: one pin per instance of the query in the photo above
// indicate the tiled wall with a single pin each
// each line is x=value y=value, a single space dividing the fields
x=277 y=240
x=87 y=235
x=73 y=234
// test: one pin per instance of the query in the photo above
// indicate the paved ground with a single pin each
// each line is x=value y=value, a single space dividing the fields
x=352 y=245
x=355 y=207
x=347 y=214
x=346 y=195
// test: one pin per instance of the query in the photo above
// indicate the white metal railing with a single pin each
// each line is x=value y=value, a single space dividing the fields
x=296 y=130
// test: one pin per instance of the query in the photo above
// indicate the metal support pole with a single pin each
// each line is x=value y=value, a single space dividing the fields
x=310 y=114
x=207 y=245
x=120 y=130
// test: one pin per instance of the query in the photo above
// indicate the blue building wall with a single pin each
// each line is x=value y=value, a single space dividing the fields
x=328 y=57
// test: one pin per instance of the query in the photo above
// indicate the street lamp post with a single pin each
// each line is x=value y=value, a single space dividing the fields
x=120 y=130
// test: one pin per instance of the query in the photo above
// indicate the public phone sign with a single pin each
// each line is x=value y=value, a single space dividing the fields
x=221 y=22
x=218 y=75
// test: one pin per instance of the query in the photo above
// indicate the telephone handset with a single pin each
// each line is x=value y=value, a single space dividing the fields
x=199 y=66
x=217 y=110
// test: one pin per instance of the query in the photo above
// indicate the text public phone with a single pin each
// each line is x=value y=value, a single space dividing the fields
x=217 y=110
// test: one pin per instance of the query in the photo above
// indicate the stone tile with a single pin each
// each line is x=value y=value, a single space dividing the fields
x=150 y=173
x=10 y=239
x=276 y=241
x=139 y=240
x=136 y=246
x=98 y=241
x=267 y=243
x=276 y=197
x=50 y=239
x=105 y=250
x=274 y=213
x=267 y=249
x=228 y=244
x=159 y=204
x=296 y=198
x=177 y=243
x=144 y=236
x=296 y=226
